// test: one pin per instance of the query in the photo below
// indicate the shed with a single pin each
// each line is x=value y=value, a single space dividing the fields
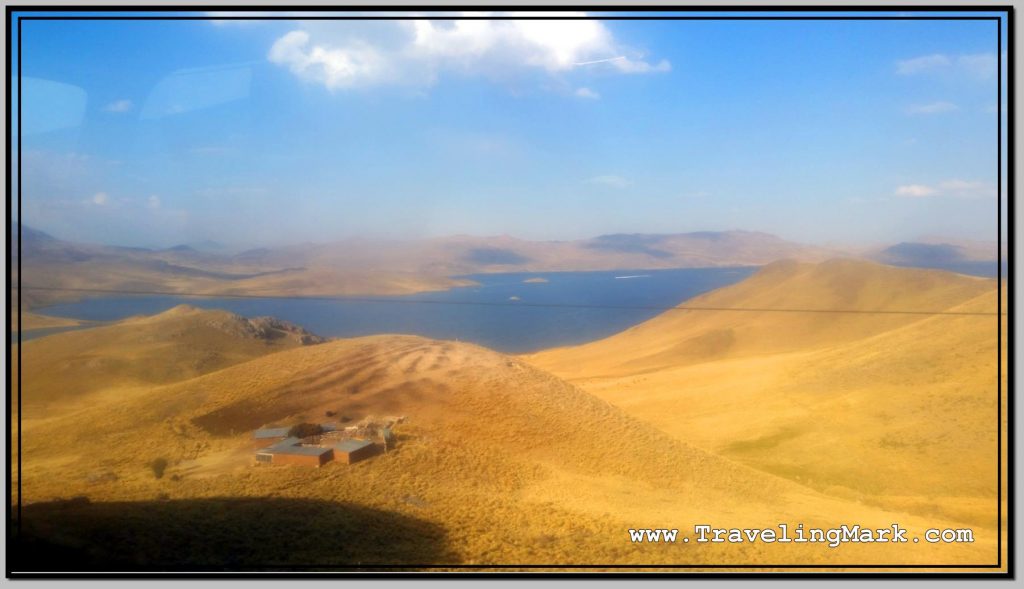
x=351 y=451
x=290 y=451
x=270 y=433
x=264 y=436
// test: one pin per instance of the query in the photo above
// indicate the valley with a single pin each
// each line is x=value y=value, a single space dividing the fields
x=747 y=413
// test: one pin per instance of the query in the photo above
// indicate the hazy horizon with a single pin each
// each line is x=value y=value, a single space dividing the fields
x=276 y=132
x=215 y=245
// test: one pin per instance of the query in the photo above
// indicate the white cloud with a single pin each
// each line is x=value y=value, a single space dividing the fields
x=587 y=93
x=956 y=188
x=123 y=105
x=915 y=191
x=925 y=63
x=359 y=64
x=153 y=201
x=630 y=66
x=977 y=65
x=100 y=198
x=610 y=180
x=417 y=52
x=932 y=108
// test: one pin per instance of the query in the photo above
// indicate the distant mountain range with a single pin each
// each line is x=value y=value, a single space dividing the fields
x=392 y=267
x=974 y=259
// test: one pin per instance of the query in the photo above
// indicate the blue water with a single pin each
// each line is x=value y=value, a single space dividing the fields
x=499 y=313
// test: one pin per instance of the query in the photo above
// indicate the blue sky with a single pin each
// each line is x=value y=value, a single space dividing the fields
x=265 y=132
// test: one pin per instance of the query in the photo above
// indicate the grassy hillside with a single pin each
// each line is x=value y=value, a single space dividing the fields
x=180 y=343
x=32 y=321
x=898 y=411
x=497 y=463
x=785 y=307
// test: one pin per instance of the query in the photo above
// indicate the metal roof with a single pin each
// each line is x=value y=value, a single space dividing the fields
x=352 y=445
x=271 y=432
x=291 y=446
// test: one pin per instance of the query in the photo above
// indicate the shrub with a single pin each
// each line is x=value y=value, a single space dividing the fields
x=159 y=466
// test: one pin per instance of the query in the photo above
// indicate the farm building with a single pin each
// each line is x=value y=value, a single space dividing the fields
x=291 y=451
x=348 y=444
x=266 y=436
x=351 y=451
x=270 y=433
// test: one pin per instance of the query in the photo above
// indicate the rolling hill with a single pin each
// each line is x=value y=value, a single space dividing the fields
x=894 y=410
x=64 y=369
x=786 y=306
x=497 y=463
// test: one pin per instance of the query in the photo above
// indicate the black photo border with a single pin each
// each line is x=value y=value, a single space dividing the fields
x=1004 y=17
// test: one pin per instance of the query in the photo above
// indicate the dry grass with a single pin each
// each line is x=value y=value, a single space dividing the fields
x=32 y=321
x=499 y=463
x=897 y=412
x=64 y=369
x=679 y=338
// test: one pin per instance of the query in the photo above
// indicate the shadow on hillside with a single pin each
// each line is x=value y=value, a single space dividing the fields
x=226 y=534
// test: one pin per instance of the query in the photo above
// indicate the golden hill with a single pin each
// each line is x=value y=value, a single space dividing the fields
x=898 y=411
x=33 y=321
x=180 y=343
x=497 y=463
x=786 y=306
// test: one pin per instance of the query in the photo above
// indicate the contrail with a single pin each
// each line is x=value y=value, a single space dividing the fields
x=600 y=60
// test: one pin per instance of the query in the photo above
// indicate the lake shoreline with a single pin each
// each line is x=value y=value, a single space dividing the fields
x=510 y=312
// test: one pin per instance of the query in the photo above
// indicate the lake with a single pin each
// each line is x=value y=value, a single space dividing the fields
x=503 y=312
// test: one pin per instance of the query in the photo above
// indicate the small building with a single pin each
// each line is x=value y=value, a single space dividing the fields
x=349 y=444
x=352 y=451
x=270 y=434
x=264 y=437
x=291 y=451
